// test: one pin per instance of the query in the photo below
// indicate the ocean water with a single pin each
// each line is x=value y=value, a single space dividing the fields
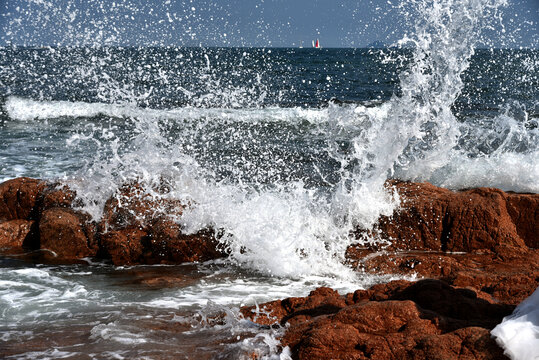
x=284 y=150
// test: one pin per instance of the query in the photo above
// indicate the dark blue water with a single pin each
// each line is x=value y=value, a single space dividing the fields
x=497 y=82
x=160 y=77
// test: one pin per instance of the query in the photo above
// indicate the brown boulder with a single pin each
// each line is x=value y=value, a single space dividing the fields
x=136 y=228
x=399 y=320
x=161 y=243
x=56 y=195
x=480 y=238
x=132 y=207
x=18 y=198
x=509 y=278
x=68 y=233
x=169 y=245
x=124 y=247
x=17 y=234
x=432 y=218
x=524 y=211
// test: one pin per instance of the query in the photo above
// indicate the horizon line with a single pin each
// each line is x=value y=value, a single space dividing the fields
x=246 y=47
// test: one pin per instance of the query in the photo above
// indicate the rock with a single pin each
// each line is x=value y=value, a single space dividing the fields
x=68 y=233
x=124 y=247
x=137 y=229
x=17 y=234
x=132 y=207
x=18 y=198
x=56 y=195
x=168 y=245
x=433 y=218
x=400 y=320
x=162 y=243
x=161 y=277
x=480 y=238
x=524 y=211
x=510 y=279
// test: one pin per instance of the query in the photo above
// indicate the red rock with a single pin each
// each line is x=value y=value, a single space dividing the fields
x=480 y=238
x=137 y=229
x=169 y=245
x=162 y=243
x=124 y=247
x=159 y=277
x=56 y=195
x=132 y=207
x=509 y=278
x=68 y=233
x=433 y=218
x=16 y=235
x=399 y=320
x=18 y=198
x=524 y=211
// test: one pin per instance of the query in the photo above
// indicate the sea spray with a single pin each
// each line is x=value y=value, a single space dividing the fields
x=415 y=129
x=283 y=152
x=242 y=164
x=445 y=38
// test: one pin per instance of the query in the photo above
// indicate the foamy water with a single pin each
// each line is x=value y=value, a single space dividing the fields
x=251 y=137
x=518 y=333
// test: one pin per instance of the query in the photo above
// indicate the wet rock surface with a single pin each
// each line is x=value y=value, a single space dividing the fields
x=509 y=278
x=18 y=198
x=479 y=248
x=437 y=219
x=483 y=238
x=69 y=234
x=135 y=228
x=428 y=319
x=16 y=235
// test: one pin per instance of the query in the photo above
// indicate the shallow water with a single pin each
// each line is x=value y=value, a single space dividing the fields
x=105 y=312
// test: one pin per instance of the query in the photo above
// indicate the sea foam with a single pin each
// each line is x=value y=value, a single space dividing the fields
x=518 y=333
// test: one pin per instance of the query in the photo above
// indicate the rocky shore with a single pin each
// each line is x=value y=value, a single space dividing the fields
x=476 y=250
x=41 y=217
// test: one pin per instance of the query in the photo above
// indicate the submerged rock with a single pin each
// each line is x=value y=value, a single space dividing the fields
x=400 y=320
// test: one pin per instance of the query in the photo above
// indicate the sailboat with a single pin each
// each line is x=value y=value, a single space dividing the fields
x=316 y=44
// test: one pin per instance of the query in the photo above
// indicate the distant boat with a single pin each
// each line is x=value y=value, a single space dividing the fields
x=301 y=44
x=316 y=44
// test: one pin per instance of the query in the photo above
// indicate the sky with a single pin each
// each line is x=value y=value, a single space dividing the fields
x=260 y=23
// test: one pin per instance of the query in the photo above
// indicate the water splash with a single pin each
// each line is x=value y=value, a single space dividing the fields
x=286 y=186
